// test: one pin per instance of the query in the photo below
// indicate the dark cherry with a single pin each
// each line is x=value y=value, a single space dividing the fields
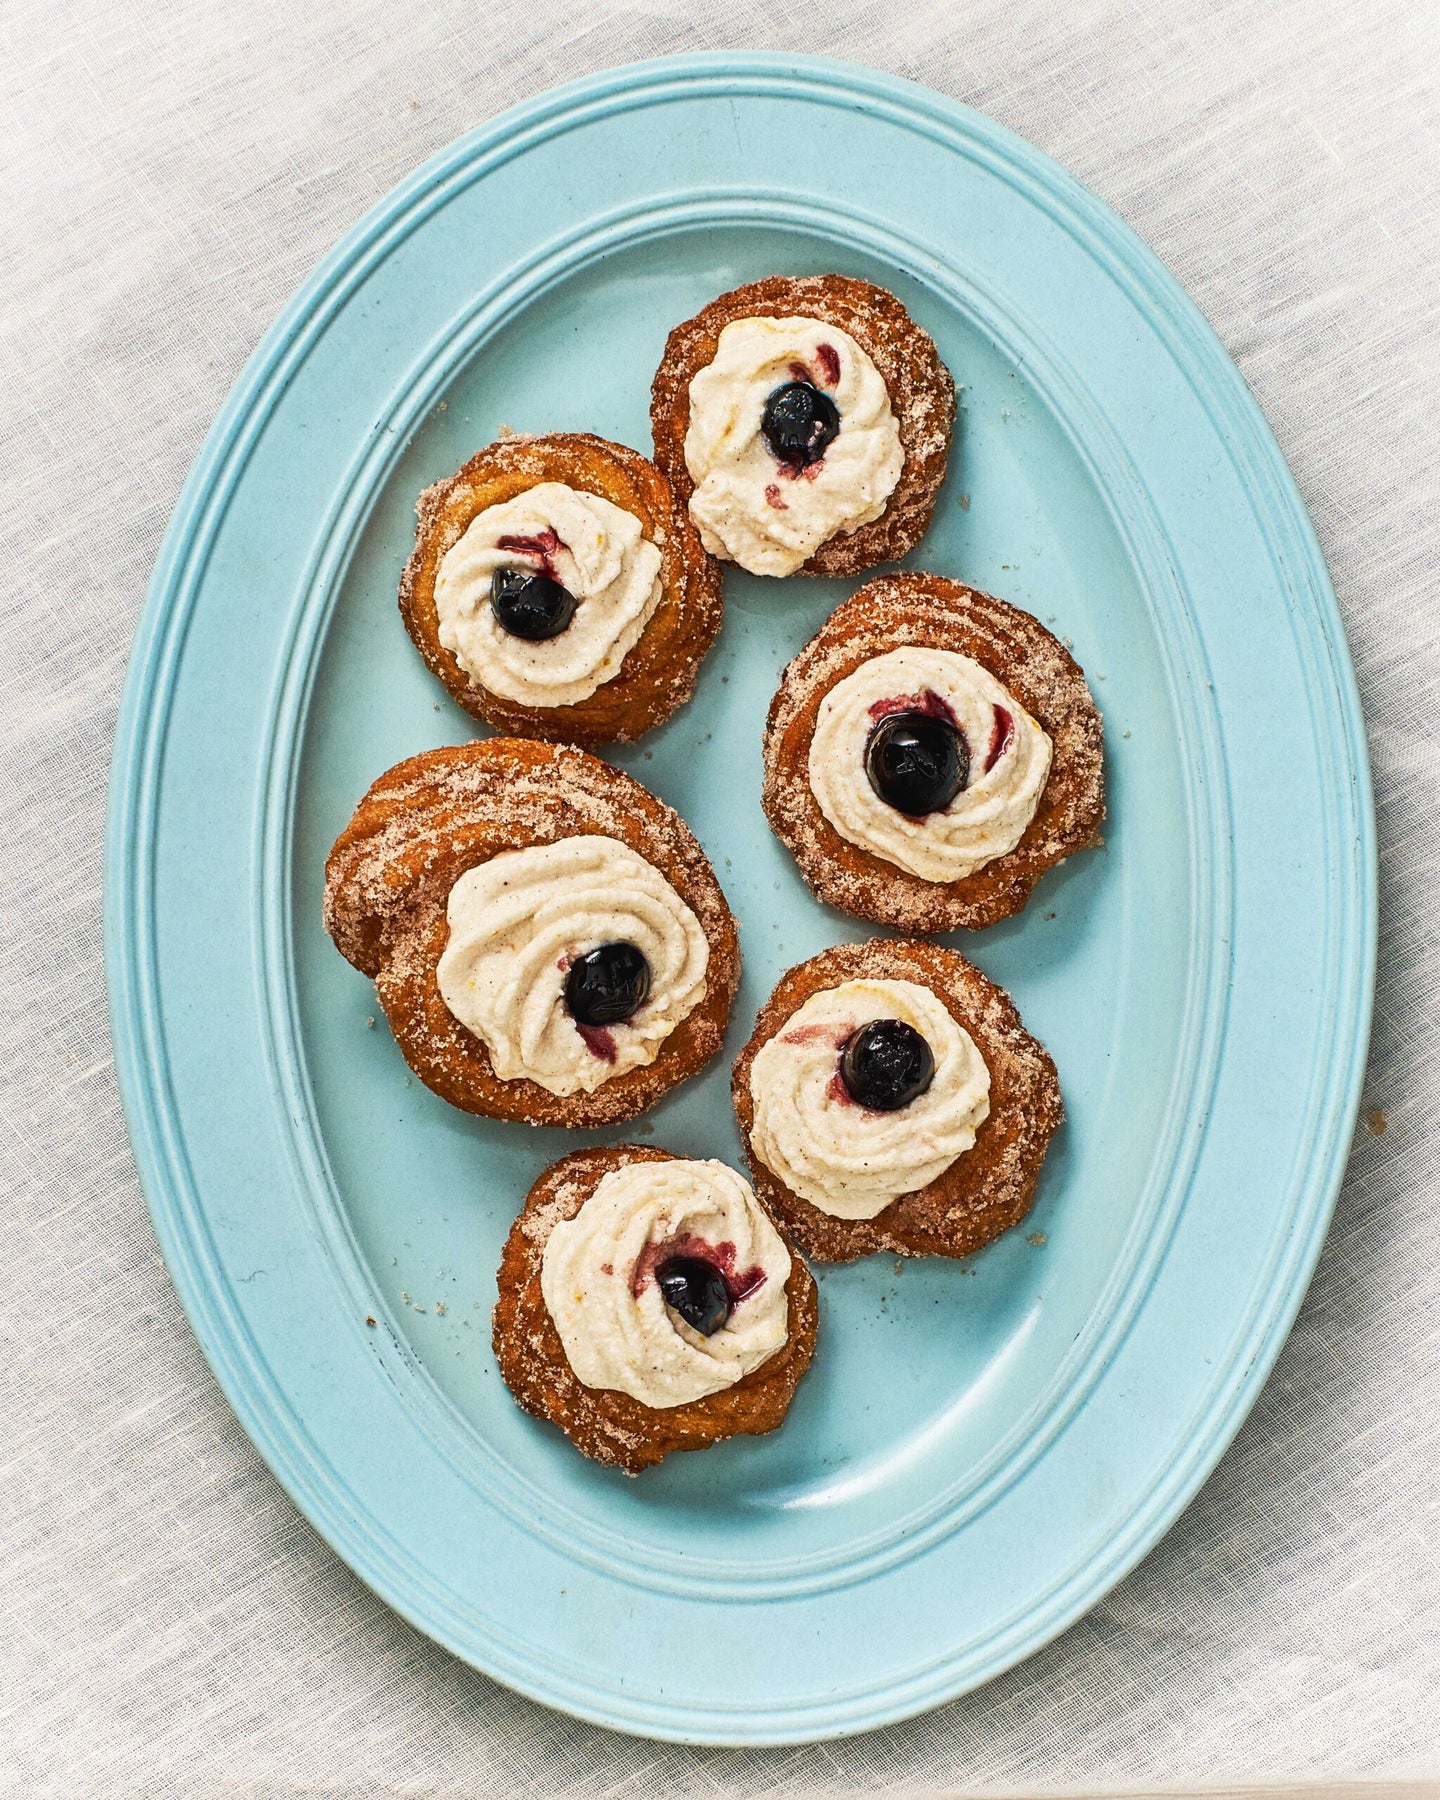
x=530 y=606
x=800 y=422
x=885 y=1065
x=917 y=763
x=607 y=985
x=697 y=1291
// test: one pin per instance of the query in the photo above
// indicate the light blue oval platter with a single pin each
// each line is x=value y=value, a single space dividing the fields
x=981 y=1448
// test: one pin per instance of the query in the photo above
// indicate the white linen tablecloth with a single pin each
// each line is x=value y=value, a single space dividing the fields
x=168 y=1625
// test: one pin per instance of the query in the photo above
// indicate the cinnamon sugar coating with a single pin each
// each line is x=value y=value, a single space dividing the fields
x=929 y=610
x=983 y=1192
x=659 y=672
x=603 y=1423
x=922 y=398
x=432 y=817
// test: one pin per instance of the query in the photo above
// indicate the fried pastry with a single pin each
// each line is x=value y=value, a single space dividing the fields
x=559 y=591
x=890 y=1099
x=547 y=939
x=649 y=1304
x=805 y=421
x=930 y=753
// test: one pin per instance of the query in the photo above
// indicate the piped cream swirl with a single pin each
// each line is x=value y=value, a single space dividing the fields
x=1009 y=764
x=598 y=1277
x=749 y=507
x=599 y=552
x=841 y=1157
x=516 y=924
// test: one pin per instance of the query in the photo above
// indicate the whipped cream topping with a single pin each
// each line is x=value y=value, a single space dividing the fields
x=841 y=1157
x=516 y=924
x=592 y=547
x=747 y=505
x=1009 y=763
x=598 y=1278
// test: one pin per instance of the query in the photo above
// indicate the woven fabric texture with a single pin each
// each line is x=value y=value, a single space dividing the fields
x=168 y=1624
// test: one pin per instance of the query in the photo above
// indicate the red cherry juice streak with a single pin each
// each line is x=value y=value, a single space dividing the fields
x=836 y=1087
x=599 y=1040
x=828 y=358
x=829 y=361
x=927 y=701
x=838 y=1091
x=789 y=471
x=542 y=548
x=826 y=1034
x=1002 y=735
x=739 y=1283
x=806 y=1035
x=815 y=1034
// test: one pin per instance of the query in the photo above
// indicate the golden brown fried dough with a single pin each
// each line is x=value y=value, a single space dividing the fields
x=432 y=817
x=929 y=610
x=603 y=1423
x=984 y=1191
x=922 y=398
x=659 y=672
